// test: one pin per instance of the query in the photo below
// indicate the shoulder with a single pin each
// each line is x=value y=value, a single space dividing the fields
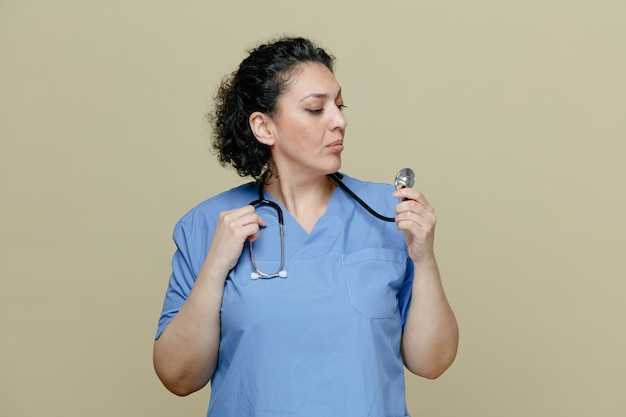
x=367 y=188
x=207 y=211
x=371 y=195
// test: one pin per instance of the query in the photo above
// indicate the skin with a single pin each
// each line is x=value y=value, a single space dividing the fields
x=306 y=139
x=431 y=335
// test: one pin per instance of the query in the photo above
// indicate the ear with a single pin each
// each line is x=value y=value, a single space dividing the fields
x=261 y=125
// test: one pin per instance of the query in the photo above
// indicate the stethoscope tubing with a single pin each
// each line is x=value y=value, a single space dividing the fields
x=337 y=178
x=279 y=272
x=262 y=201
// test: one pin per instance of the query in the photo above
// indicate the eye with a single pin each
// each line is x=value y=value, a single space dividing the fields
x=315 y=111
x=341 y=107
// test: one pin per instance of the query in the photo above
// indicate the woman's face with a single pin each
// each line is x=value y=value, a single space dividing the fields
x=309 y=126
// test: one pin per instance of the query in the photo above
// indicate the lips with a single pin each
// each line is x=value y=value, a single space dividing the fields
x=336 y=145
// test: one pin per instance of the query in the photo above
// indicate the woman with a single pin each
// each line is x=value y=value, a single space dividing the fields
x=361 y=297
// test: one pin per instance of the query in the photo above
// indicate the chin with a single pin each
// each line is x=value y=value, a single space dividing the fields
x=333 y=170
x=335 y=166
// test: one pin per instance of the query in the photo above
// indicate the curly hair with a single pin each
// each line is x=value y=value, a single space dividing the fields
x=256 y=86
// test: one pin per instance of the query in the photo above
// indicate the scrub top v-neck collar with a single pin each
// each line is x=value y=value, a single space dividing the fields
x=330 y=224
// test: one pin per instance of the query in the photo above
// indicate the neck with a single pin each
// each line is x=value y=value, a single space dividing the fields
x=305 y=199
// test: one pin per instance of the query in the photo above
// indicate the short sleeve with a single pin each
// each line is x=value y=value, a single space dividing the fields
x=185 y=267
x=406 y=291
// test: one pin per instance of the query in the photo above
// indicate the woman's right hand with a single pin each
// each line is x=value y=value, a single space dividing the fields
x=233 y=228
x=185 y=355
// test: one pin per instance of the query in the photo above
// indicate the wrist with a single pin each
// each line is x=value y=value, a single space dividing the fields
x=426 y=263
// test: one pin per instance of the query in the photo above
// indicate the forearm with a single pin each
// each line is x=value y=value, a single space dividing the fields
x=430 y=338
x=185 y=355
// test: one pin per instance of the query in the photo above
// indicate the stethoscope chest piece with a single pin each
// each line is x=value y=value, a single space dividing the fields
x=405 y=178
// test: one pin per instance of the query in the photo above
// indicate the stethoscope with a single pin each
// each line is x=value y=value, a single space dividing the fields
x=404 y=178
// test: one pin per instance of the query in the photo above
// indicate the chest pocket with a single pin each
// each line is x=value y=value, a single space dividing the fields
x=374 y=277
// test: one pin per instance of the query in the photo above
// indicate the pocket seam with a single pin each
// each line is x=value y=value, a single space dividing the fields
x=363 y=305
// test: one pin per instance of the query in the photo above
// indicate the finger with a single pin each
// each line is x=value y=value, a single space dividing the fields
x=251 y=224
x=232 y=216
x=242 y=223
x=415 y=224
x=413 y=212
x=414 y=207
x=260 y=221
x=411 y=194
x=237 y=220
x=253 y=236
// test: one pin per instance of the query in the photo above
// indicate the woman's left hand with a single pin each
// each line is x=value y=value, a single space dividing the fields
x=416 y=217
x=431 y=334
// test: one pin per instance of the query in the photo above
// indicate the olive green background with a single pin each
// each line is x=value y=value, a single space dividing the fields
x=511 y=113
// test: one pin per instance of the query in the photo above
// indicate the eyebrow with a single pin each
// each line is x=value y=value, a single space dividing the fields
x=320 y=95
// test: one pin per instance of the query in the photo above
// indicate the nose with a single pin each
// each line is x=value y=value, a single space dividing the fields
x=339 y=120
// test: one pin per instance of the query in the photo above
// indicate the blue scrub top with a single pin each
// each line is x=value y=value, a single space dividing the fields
x=325 y=340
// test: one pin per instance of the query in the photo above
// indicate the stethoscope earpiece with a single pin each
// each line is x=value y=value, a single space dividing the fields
x=281 y=274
